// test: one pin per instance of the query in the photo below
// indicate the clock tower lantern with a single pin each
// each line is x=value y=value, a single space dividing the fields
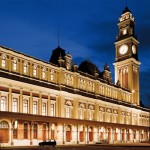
x=126 y=61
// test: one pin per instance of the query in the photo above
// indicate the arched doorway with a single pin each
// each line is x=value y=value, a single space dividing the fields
x=122 y=135
x=4 y=132
x=44 y=132
x=90 y=134
x=109 y=134
x=68 y=133
x=128 y=135
x=82 y=133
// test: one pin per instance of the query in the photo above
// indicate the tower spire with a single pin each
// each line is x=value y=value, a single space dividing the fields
x=126 y=3
x=58 y=38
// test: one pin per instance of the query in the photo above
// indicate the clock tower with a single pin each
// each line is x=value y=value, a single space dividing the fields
x=126 y=61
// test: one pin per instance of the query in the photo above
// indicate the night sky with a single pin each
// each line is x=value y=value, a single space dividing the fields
x=87 y=29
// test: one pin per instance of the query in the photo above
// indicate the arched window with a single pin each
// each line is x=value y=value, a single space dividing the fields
x=25 y=106
x=3 y=103
x=25 y=67
x=15 y=105
x=44 y=73
x=35 y=107
x=25 y=129
x=52 y=75
x=43 y=108
x=3 y=61
x=52 y=109
x=35 y=70
x=15 y=64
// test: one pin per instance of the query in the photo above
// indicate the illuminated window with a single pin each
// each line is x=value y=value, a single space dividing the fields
x=101 y=115
x=25 y=67
x=3 y=61
x=68 y=79
x=101 y=89
x=14 y=64
x=91 y=86
x=3 y=102
x=52 y=109
x=43 y=108
x=124 y=31
x=15 y=105
x=81 y=113
x=35 y=70
x=90 y=115
x=25 y=106
x=43 y=73
x=68 y=111
x=35 y=107
x=82 y=84
x=52 y=75
x=25 y=128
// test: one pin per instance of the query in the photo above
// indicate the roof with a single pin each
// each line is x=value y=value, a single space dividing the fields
x=126 y=10
x=56 y=54
x=88 y=67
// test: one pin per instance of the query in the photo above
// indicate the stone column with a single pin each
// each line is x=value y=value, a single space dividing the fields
x=11 y=132
x=21 y=102
x=10 y=100
x=78 y=140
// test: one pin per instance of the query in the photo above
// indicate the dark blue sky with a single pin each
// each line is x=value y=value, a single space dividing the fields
x=87 y=28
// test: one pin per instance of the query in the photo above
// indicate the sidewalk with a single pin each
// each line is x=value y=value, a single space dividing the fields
x=130 y=144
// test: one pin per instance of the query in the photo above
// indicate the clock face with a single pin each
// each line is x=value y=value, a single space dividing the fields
x=133 y=49
x=123 y=49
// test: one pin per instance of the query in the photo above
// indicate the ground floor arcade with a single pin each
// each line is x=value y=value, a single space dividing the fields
x=30 y=130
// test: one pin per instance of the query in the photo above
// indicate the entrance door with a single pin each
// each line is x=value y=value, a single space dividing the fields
x=44 y=132
x=4 y=132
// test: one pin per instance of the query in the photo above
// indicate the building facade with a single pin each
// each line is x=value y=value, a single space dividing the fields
x=69 y=103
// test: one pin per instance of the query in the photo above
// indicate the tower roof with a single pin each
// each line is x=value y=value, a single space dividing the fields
x=88 y=67
x=126 y=10
x=56 y=54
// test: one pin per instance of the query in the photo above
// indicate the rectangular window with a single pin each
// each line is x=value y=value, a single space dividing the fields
x=35 y=107
x=52 y=109
x=43 y=108
x=90 y=115
x=4 y=61
x=25 y=68
x=81 y=113
x=35 y=70
x=14 y=64
x=25 y=106
x=15 y=105
x=3 y=103
x=52 y=75
x=68 y=111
